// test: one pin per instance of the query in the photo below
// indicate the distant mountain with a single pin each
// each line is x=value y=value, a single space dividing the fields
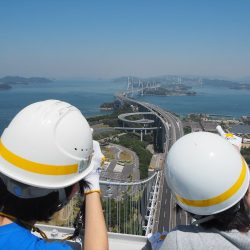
x=23 y=80
x=123 y=79
x=245 y=79
x=219 y=83
x=226 y=83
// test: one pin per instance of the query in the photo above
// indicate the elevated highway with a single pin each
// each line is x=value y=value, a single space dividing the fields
x=167 y=214
x=123 y=118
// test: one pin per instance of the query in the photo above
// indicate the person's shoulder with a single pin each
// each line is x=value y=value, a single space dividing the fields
x=189 y=229
x=180 y=236
x=170 y=241
x=32 y=241
x=55 y=245
x=17 y=237
x=38 y=243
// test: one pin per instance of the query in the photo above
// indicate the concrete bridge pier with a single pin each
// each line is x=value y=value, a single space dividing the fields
x=159 y=136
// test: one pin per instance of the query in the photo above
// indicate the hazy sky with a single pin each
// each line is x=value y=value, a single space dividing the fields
x=107 y=38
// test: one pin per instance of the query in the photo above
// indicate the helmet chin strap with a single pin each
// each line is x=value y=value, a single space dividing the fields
x=62 y=198
x=202 y=220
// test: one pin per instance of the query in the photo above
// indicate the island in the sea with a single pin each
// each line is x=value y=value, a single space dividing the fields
x=174 y=84
x=228 y=84
x=4 y=86
x=107 y=106
x=8 y=81
x=170 y=90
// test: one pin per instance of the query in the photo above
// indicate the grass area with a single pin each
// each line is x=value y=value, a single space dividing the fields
x=126 y=157
x=135 y=117
x=107 y=134
x=130 y=140
x=100 y=125
x=109 y=154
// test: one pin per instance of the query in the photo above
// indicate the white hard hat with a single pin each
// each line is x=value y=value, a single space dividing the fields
x=48 y=144
x=206 y=173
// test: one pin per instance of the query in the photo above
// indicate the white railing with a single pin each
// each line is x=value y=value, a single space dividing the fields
x=153 y=205
x=129 y=206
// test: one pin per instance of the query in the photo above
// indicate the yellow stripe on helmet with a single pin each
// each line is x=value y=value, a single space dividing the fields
x=220 y=198
x=34 y=167
x=229 y=135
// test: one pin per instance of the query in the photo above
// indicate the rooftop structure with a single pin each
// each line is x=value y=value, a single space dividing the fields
x=240 y=129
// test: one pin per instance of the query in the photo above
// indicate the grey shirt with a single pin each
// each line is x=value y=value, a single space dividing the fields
x=193 y=237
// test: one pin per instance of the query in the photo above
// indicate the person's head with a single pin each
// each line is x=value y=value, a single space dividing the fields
x=45 y=150
x=209 y=178
x=30 y=204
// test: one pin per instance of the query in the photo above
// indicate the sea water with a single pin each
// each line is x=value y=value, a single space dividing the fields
x=209 y=100
x=88 y=95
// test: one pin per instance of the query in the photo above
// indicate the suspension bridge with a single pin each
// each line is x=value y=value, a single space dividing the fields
x=137 y=87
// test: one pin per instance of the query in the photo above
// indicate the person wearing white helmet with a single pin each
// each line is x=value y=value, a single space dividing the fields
x=210 y=180
x=46 y=155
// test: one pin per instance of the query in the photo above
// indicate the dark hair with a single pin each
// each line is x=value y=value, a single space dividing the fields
x=235 y=217
x=34 y=209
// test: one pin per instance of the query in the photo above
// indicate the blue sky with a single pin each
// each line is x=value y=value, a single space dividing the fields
x=109 y=38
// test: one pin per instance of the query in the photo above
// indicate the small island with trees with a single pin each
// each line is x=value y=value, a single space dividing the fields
x=7 y=82
x=4 y=86
x=107 y=106
x=170 y=90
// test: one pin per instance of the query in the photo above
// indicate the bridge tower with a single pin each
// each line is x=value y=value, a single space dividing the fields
x=130 y=86
x=179 y=80
x=200 y=81
x=141 y=87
